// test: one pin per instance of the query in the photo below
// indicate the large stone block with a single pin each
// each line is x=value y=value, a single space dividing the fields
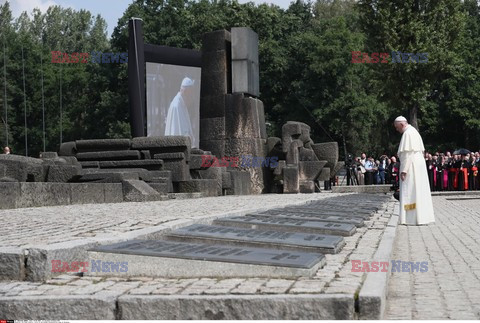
x=291 y=179
x=244 y=44
x=239 y=147
x=226 y=180
x=161 y=188
x=113 y=192
x=68 y=149
x=110 y=155
x=292 y=131
x=3 y=170
x=63 y=173
x=102 y=145
x=179 y=168
x=245 y=77
x=292 y=157
x=109 y=177
x=310 y=170
x=214 y=173
x=307 y=187
x=139 y=191
x=85 y=193
x=48 y=155
x=169 y=156
x=164 y=144
x=148 y=164
x=9 y=195
x=196 y=161
x=217 y=147
x=215 y=62
x=307 y=154
x=206 y=186
x=324 y=174
x=43 y=194
x=12 y=264
x=240 y=183
x=245 y=118
x=327 y=151
x=23 y=169
x=212 y=106
x=212 y=129
x=214 y=83
x=216 y=40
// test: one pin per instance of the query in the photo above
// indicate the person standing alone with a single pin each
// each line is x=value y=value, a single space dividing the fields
x=416 y=205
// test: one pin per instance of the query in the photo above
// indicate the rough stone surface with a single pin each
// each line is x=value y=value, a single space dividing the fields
x=138 y=191
x=327 y=151
x=291 y=179
x=109 y=155
x=102 y=145
x=68 y=149
x=12 y=264
x=206 y=186
x=63 y=173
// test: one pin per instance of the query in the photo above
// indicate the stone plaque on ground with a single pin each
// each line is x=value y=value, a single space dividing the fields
x=357 y=221
x=259 y=238
x=342 y=208
x=364 y=216
x=161 y=258
x=269 y=223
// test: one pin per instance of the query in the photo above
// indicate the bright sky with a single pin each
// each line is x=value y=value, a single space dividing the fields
x=110 y=10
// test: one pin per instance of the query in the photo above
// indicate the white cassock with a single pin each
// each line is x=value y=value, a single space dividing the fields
x=178 y=119
x=416 y=205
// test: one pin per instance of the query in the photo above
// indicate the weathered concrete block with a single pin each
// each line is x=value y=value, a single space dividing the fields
x=102 y=145
x=244 y=44
x=212 y=129
x=63 y=173
x=292 y=157
x=84 y=193
x=23 y=169
x=310 y=170
x=214 y=83
x=206 y=186
x=109 y=155
x=251 y=147
x=113 y=192
x=214 y=173
x=245 y=117
x=68 y=149
x=165 y=144
x=139 y=191
x=89 y=164
x=9 y=195
x=12 y=264
x=212 y=106
x=148 y=164
x=170 y=156
x=307 y=187
x=196 y=161
x=109 y=177
x=245 y=77
x=279 y=169
x=291 y=179
x=48 y=155
x=324 y=174
x=240 y=183
x=179 y=168
x=216 y=40
x=307 y=154
x=161 y=188
x=226 y=180
x=327 y=151
x=217 y=147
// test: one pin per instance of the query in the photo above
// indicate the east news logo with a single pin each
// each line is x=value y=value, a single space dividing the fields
x=81 y=266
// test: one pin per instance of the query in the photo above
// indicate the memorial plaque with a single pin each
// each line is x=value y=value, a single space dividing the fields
x=363 y=216
x=357 y=221
x=342 y=206
x=259 y=238
x=218 y=253
x=326 y=208
x=281 y=224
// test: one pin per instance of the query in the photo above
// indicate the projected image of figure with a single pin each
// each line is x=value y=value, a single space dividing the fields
x=178 y=118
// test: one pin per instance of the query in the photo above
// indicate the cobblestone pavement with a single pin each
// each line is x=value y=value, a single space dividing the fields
x=47 y=225
x=450 y=289
x=335 y=278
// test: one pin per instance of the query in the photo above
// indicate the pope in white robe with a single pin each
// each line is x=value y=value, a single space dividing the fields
x=178 y=118
x=416 y=205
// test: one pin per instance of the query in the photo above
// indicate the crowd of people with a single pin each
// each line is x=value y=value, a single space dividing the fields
x=446 y=171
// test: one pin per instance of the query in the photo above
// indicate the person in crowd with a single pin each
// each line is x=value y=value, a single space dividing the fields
x=441 y=174
x=462 y=165
x=360 y=171
x=6 y=150
x=388 y=175
x=416 y=207
x=382 y=167
x=370 y=171
x=472 y=173
x=430 y=170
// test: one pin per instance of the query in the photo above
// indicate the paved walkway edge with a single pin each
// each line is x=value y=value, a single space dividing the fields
x=372 y=298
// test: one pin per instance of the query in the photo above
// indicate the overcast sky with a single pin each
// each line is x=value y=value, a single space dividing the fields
x=110 y=10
